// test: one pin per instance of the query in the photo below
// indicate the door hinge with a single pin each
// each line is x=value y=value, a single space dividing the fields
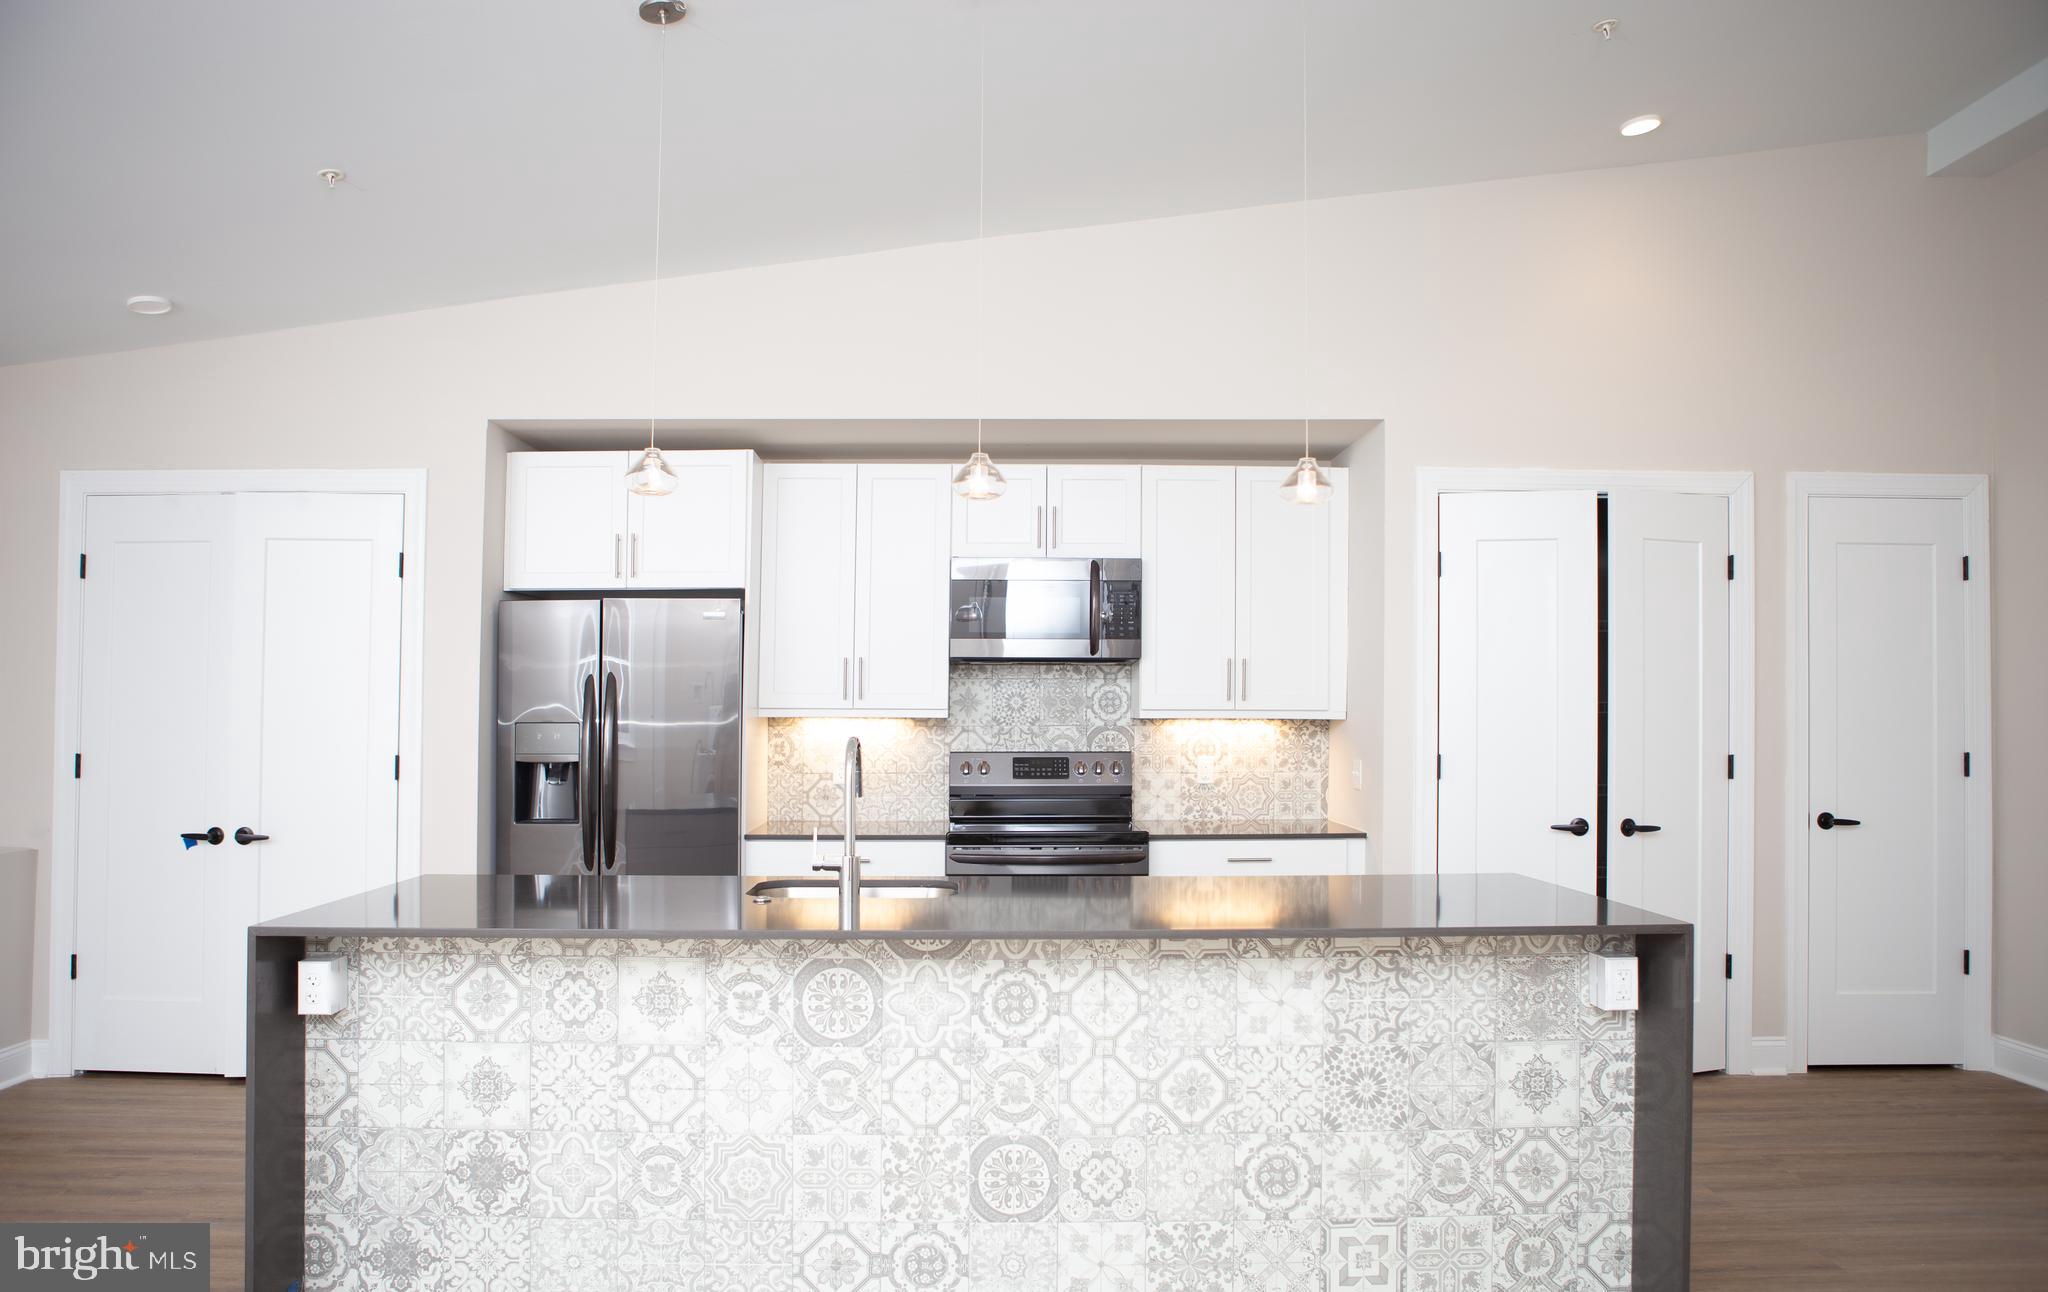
x=74 y=966
x=1728 y=969
x=1966 y=960
x=1731 y=767
x=1966 y=569
x=1966 y=762
x=1439 y=766
x=1439 y=565
x=394 y=767
x=1731 y=567
x=401 y=565
x=81 y=565
x=78 y=767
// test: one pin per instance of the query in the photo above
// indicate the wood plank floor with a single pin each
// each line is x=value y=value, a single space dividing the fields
x=1865 y=1179
x=106 y=1147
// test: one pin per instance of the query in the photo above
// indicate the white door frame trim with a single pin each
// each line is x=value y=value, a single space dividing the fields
x=1974 y=492
x=1739 y=489
x=73 y=488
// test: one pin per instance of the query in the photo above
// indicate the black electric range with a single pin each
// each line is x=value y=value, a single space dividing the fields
x=1011 y=813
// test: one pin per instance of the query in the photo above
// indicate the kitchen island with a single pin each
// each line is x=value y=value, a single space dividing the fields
x=1027 y=1083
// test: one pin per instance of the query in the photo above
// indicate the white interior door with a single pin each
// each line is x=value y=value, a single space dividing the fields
x=155 y=674
x=1010 y=524
x=1518 y=679
x=1667 y=729
x=901 y=609
x=1189 y=606
x=1885 y=675
x=807 y=562
x=1290 y=595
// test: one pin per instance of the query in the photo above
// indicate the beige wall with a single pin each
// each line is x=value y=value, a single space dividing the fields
x=1823 y=308
x=2019 y=517
x=17 y=944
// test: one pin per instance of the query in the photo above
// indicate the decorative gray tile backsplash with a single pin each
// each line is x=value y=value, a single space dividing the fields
x=1441 y=1114
x=1202 y=770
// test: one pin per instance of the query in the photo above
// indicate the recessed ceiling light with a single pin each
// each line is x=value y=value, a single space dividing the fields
x=1640 y=125
x=150 y=304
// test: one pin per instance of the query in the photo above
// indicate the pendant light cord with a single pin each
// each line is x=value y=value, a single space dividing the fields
x=660 y=150
x=1305 y=379
x=980 y=217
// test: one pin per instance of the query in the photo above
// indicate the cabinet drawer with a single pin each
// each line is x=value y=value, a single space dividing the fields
x=885 y=858
x=1257 y=856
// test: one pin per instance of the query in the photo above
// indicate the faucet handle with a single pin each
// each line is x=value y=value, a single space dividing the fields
x=825 y=865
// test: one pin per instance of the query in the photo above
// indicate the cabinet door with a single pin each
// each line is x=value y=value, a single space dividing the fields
x=1012 y=525
x=1252 y=856
x=1092 y=511
x=565 y=521
x=695 y=537
x=901 y=616
x=1290 y=597
x=1189 y=526
x=807 y=562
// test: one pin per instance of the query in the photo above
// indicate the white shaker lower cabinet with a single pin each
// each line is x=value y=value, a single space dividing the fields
x=1198 y=857
x=882 y=858
x=854 y=567
x=1244 y=599
x=571 y=525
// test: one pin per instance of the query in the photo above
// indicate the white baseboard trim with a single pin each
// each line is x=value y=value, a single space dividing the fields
x=2020 y=1061
x=1769 y=1056
x=17 y=1063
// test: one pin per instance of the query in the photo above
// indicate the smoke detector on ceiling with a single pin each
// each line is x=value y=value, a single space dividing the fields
x=149 y=304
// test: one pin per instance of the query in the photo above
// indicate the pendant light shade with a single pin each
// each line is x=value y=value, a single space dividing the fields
x=651 y=476
x=978 y=480
x=1307 y=484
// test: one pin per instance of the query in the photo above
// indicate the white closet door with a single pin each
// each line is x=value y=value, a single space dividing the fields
x=1667 y=729
x=807 y=562
x=1518 y=678
x=314 y=722
x=1884 y=612
x=1189 y=663
x=154 y=983
x=901 y=614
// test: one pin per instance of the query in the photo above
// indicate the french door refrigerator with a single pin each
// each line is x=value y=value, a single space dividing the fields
x=618 y=736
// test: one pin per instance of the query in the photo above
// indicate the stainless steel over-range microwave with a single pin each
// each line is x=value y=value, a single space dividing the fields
x=1046 y=609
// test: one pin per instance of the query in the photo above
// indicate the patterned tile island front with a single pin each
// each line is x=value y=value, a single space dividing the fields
x=1297 y=1110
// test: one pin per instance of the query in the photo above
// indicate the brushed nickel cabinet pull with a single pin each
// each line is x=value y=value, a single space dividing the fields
x=618 y=556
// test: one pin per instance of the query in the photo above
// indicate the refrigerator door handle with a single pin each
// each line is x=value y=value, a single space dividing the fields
x=608 y=815
x=586 y=757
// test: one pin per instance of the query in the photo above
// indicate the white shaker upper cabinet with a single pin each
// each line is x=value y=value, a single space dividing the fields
x=901 y=623
x=565 y=520
x=1012 y=524
x=1244 y=596
x=1290 y=597
x=695 y=537
x=1189 y=664
x=807 y=576
x=1092 y=511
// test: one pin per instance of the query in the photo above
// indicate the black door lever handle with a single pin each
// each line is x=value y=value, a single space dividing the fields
x=1629 y=828
x=1828 y=821
x=1576 y=827
x=212 y=834
x=245 y=836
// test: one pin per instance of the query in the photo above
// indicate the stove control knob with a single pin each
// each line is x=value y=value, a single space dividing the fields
x=1098 y=767
x=966 y=768
x=1116 y=769
x=1080 y=766
x=982 y=767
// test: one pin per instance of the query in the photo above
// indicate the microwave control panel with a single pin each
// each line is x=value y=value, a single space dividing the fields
x=1120 y=611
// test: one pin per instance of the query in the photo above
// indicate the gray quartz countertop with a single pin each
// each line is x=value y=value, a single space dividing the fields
x=1320 y=828
x=571 y=906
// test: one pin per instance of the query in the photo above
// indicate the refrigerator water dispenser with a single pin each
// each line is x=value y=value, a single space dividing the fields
x=546 y=773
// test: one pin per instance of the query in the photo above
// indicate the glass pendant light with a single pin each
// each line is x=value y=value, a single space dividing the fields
x=651 y=476
x=1308 y=484
x=978 y=480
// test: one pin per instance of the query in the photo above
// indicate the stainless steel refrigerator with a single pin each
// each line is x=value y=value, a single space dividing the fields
x=618 y=736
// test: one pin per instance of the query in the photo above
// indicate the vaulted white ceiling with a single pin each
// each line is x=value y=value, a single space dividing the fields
x=500 y=147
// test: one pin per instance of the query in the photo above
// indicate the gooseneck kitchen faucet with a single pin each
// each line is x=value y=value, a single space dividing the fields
x=849 y=864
